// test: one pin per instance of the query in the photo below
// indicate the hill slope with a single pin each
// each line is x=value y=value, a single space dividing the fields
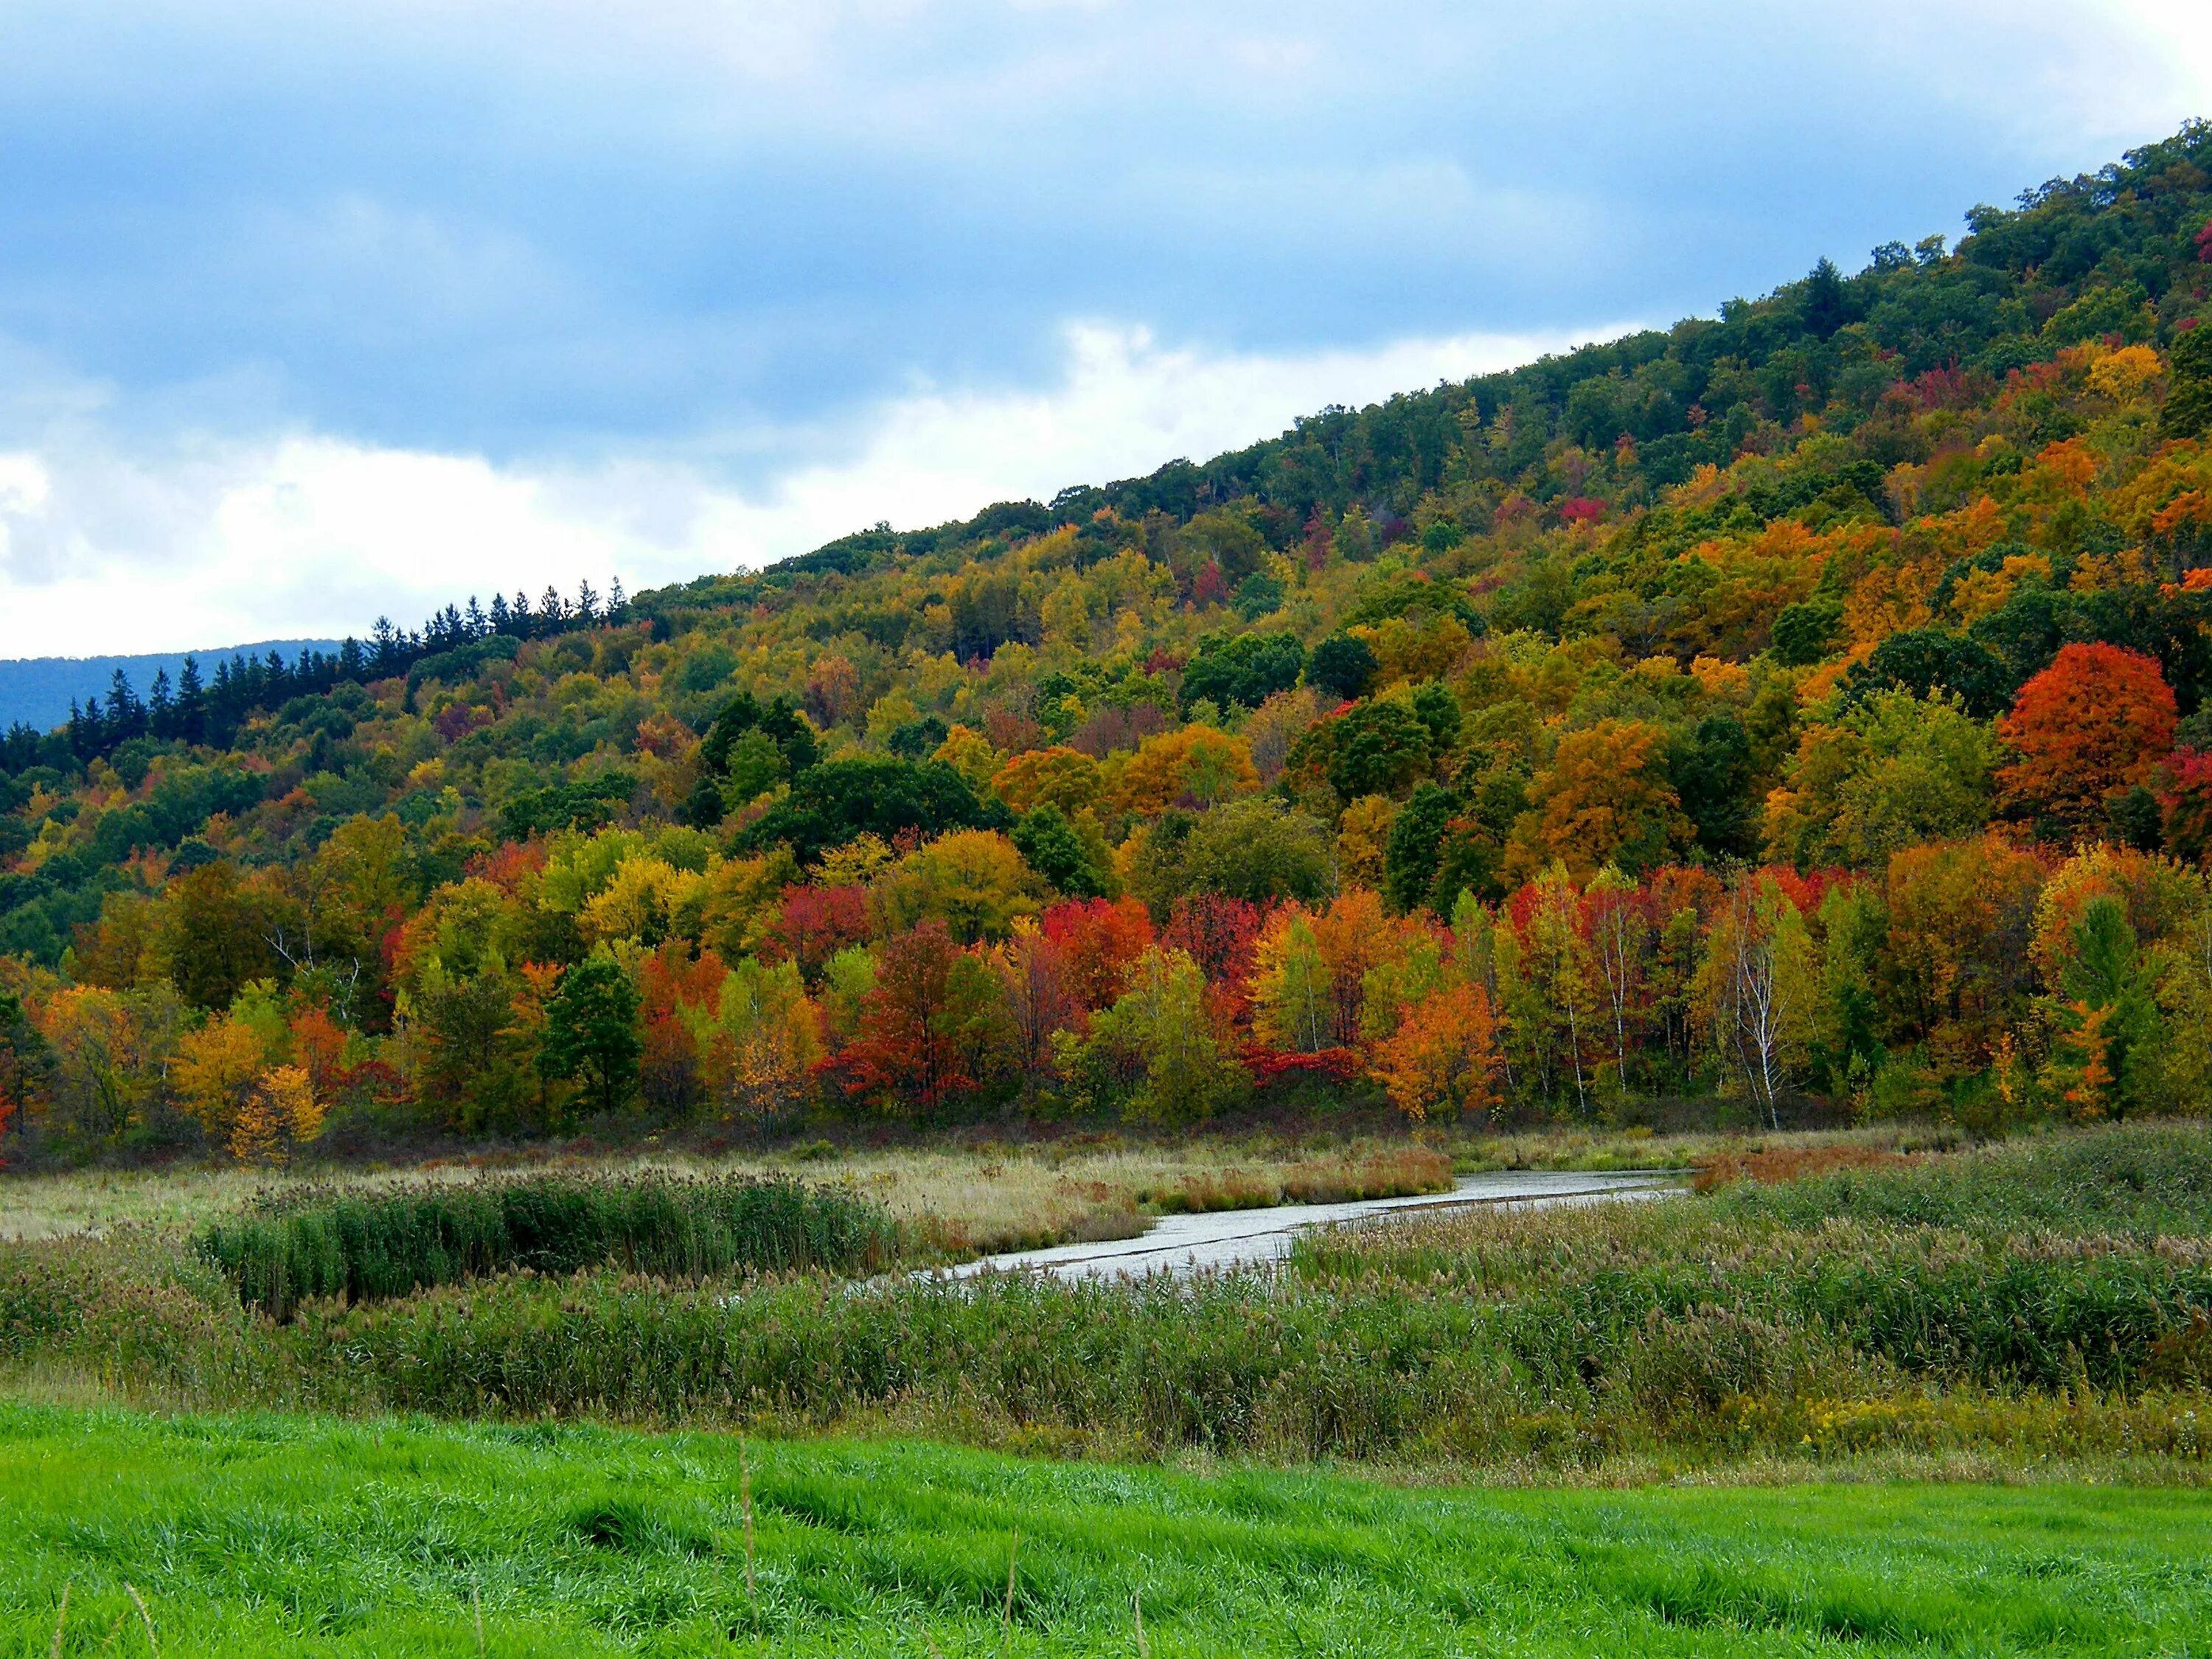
x=1805 y=699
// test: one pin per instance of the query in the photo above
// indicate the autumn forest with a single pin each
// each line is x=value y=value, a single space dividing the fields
x=1795 y=715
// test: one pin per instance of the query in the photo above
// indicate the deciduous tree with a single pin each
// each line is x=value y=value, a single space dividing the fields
x=2089 y=727
x=1443 y=1055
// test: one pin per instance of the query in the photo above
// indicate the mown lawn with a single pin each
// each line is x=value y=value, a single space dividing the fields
x=266 y=1534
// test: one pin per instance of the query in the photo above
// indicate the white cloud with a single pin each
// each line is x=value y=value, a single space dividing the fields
x=312 y=535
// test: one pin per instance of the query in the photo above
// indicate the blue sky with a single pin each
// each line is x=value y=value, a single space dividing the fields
x=311 y=312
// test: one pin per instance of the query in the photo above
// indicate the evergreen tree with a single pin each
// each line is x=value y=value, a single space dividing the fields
x=162 y=705
x=192 y=702
x=2188 y=411
x=591 y=1032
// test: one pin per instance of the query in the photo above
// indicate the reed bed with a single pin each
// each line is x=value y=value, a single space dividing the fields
x=1797 y=1321
x=364 y=1247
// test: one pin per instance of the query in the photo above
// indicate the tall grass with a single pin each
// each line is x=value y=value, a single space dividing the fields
x=1703 y=1328
x=367 y=1247
x=2135 y=1181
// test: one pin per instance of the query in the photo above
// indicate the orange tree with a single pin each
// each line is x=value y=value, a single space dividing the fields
x=1606 y=799
x=2089 y=727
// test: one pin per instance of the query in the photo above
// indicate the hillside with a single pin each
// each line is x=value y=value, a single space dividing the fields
x=1804 y=704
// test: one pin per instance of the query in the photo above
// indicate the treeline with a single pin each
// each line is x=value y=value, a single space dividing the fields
x=623 y=970
x=212 y=712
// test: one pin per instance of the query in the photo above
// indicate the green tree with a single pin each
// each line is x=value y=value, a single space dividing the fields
x=1159 y=1037
x=22 y=1052
x=1412 y=854
x=831 y=803
x=2107 y=1016
x=1255 y=849
x=591 y=1031
x=1242 y=669
x=1050 y=847
x=777 y=721
x=214 y=933
x=1343 y=666
x=2188 y=410
x=1711 y=771
x=1804 y=633
x=1893 y=771
x=1378 y=748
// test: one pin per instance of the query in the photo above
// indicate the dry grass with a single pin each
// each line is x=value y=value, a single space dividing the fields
x=977 y=1199
x=1384 y=1172
x=1598 y=1148
x=1774 y=1164
x=991 y=1199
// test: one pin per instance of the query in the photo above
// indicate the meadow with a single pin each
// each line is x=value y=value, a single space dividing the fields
x=253 y=1535
x=2045 y=1300
x=977 y=1193
x=1850 y=1393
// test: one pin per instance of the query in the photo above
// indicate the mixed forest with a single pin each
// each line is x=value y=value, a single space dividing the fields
x=1801 y=709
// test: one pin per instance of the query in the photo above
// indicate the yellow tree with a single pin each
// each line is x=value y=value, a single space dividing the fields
x=1604 y=798
x=1064 y=777
x=1354 y=938
x=974 y=881
x=1292 y=1009
x=217 y=1067
x=1362 y=834
x=1619 y=928
x=969 y=753
x=769 y=1035
x=1758 y=991
x=278 y=1113
x=1553 y=975
x=1197 y=762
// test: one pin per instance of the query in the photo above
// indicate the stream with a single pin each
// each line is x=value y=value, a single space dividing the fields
x=1184 y=1244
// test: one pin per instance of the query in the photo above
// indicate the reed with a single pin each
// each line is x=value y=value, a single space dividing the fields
x=2057 y=1303
x=368 y=1246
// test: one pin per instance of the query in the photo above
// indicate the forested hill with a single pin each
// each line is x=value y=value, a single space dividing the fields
x=1805 y=700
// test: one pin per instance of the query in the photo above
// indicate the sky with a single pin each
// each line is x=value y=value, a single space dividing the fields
x=310 y=314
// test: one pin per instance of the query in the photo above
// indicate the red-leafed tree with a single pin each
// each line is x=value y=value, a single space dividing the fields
x=926 y=1024
x=2187 y=799
x=813 y=924
x=1220 y=934
x=1209 y=586
x=2093 y=724
x=1033 y=979
x=1098 y=939
x=669 y=982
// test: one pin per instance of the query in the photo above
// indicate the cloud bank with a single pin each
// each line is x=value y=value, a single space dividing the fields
x=313 y=535
x=312 y=314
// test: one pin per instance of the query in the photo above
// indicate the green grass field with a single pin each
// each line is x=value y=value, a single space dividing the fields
x=265 y=1535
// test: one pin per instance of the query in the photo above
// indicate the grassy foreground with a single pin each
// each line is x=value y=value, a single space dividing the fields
x=261 y=1535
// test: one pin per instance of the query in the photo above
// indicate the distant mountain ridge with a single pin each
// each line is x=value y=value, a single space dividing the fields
x=38 y=690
